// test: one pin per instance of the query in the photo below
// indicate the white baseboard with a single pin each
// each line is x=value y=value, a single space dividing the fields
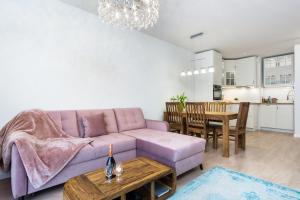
x=296 y=135
x=277 y=130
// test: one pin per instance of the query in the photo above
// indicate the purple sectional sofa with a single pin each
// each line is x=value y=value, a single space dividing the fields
x=131 y=136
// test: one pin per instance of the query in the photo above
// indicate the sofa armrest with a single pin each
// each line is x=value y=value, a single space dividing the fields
x=18 y=174
x=157 y=125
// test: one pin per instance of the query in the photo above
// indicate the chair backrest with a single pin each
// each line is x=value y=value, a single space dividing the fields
x=242 y=116
x=215 y=106
x=174 y=114
x=195 y=113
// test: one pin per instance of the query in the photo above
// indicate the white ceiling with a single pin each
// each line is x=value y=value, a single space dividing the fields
x=236 y=28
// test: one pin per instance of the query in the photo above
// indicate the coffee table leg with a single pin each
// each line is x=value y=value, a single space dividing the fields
x=123 y=197
x=152 y=190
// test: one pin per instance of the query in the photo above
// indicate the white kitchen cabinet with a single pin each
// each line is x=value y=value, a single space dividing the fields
x=278 y=71
x=246 y=71
x=204 y=59
x=267 y=116
x=229 y=72
x=240 y=72
x=285 y=117
x=218 y=66
x=277 y=116
x=207 y=59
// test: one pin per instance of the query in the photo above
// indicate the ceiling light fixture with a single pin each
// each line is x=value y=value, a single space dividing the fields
x=183 y=73
x=196 y=72
x=203 y=71
x=132 y=14
x=189 y=73
x=211 y=69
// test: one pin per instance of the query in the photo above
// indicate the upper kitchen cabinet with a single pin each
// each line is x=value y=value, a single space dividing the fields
x=229 y=72
x=210 y=59
x=278 y=70
x=241 y=72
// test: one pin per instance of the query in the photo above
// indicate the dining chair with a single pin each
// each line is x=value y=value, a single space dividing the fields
x=238 y=133
x=196 y=122
x=215 y=124
x=174 y=117
x=215 y=106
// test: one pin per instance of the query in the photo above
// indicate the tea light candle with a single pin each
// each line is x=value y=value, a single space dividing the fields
x=119 y=169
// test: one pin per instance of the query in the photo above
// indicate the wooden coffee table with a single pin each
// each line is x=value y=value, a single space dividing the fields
x=139 y=174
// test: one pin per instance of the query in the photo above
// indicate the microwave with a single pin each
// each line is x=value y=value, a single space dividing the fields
x=217 y=92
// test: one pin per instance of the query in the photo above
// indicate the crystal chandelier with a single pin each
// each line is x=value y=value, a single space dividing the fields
x=133 y=14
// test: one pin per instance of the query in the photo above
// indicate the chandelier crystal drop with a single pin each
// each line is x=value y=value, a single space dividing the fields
x=132 y=14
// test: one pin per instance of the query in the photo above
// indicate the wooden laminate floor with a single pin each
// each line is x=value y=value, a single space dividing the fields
x=271 y=156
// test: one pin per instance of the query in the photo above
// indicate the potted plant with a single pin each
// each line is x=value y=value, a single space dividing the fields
x=181 y=98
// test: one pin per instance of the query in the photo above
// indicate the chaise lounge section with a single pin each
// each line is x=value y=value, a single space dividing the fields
x=131 y=136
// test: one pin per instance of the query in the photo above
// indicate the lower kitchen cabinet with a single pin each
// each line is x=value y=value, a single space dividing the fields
x=267 y=116
x=277 y=116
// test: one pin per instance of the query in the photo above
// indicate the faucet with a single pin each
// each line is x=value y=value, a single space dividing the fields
x=290 y=95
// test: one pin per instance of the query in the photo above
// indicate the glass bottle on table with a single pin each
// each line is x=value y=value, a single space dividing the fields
x=110 y=164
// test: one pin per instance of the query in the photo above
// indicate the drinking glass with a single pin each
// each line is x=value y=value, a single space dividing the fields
x=119 y=170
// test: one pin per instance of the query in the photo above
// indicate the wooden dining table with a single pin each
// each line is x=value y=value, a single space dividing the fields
x=225 y=117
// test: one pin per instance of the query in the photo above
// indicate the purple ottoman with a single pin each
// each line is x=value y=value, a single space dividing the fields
x=181 y=152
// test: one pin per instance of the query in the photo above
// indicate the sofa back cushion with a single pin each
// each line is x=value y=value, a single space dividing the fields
x=69 y=122
x=94 y=125
x=55 y=116
x=66 y=120
x=109 y=119
x=130 y=118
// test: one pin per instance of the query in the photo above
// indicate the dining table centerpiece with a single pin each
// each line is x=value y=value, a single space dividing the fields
x=181 y=98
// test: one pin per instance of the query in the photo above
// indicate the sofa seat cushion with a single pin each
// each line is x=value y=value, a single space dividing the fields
x=85 y=154
x=167 y=145
x=120 y=142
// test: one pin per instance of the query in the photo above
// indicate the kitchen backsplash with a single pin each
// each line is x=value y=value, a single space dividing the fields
x=255 y=94
x=279 y=93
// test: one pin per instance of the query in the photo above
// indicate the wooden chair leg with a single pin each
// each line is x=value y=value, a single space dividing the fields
x=215 y=139
x=244 y=142
x=201 y=166
x=236 y=144
x=240 y=141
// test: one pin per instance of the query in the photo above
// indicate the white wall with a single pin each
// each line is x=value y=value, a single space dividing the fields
x=297 y=91
x=54 y=56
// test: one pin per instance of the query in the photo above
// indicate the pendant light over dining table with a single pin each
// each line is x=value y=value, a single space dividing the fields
x=202 y=70
x=132 y=14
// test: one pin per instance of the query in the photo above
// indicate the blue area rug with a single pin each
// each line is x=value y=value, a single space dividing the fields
x=223 y=184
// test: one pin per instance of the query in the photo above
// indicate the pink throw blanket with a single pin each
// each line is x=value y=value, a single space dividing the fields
x=44 y=148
